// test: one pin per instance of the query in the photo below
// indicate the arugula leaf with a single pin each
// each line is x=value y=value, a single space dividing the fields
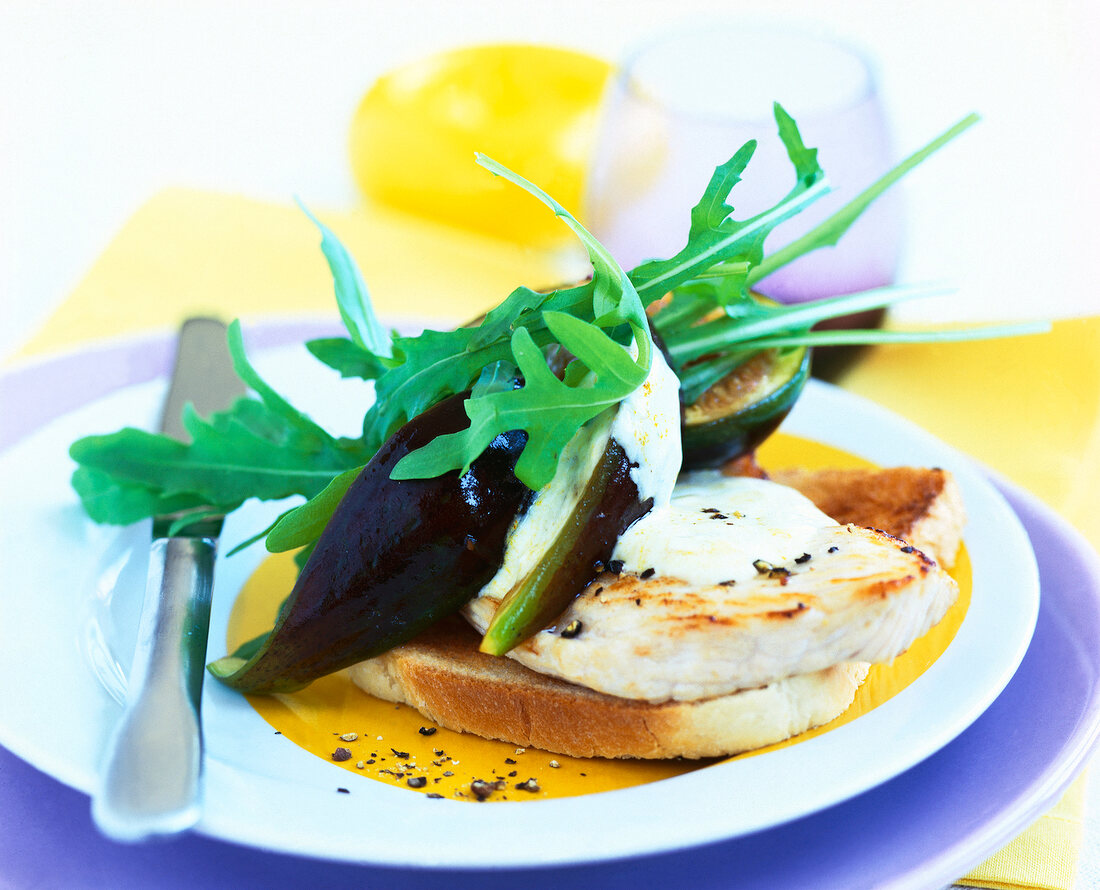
x=347 y=357
x=712 y=209
x=497 y=377
x=499 y=321
x=277 y=405
x=806 y=168
x=713 y=323
x=264 y=447
x=304 y=524
x=198 y=517
x=549 y=410
x=829 y=231
x=714 y=237
x=224 y=466
x=261 y=448
x=437 y=364
x=758 y=321
x=351 y=293
x=108 y=499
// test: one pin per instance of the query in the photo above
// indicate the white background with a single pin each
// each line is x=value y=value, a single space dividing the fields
x=105 y=103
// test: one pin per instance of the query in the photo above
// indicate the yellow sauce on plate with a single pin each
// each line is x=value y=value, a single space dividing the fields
x=390 y=743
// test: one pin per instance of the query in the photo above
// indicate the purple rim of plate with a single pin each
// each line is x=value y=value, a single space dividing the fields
x=921 y=829
x=33 y=393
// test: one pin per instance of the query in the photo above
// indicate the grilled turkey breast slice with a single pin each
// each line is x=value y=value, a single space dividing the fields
x=800 y=593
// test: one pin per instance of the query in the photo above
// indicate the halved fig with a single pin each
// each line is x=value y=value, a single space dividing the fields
x=394 y=558
x=743 y=408
x=608 y=505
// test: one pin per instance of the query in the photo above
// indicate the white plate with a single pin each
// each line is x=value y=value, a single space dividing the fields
x=57 y=713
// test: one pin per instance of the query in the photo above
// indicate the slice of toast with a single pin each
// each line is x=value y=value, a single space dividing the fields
x=443 y=675
x=921 y=506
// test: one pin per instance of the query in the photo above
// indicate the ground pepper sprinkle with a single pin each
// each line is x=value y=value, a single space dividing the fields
x=482 y=789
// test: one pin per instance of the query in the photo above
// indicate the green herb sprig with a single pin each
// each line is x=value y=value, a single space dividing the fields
x=710 y=323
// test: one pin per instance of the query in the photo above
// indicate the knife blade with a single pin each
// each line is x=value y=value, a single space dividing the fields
x=151 y=780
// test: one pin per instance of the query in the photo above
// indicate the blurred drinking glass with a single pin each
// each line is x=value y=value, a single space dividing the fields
x=683 y=103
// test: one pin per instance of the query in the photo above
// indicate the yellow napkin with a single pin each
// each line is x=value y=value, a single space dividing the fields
x=1028 y=408
x=1044 y=857
x=189 y=252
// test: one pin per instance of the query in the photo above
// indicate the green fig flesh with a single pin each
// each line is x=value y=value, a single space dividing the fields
x=739 y=412
x=608 y=506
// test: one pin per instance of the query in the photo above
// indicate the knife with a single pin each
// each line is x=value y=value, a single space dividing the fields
x=151 y=779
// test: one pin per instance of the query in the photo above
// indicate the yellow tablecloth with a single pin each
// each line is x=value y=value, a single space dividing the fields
x=1028 y=408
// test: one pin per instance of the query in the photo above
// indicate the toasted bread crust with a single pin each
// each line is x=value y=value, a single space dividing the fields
x=922 y=506
x=443 y=676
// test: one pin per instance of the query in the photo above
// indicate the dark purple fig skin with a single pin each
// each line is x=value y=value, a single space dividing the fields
x=394 y=558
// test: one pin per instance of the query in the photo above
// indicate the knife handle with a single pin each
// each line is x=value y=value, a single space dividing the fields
x=151 y=778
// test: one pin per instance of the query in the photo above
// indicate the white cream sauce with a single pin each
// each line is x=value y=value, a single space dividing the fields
x=647 y=426
x=716 y=527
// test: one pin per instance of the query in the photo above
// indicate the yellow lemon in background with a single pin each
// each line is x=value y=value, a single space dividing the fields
x=532 y=108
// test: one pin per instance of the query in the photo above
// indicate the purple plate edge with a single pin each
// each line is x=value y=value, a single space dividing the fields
x=1040 y=796
x=39 y=390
